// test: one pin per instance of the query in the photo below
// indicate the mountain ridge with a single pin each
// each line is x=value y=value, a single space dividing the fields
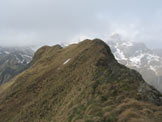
x=79 y=83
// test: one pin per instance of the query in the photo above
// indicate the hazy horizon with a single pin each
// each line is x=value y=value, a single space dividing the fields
x=49 y=22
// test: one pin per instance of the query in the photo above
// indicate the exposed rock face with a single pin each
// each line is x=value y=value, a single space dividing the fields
x=79 y=83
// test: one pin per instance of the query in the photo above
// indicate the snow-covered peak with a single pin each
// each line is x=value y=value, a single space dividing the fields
x=135 y=53
x=18 y=54
x=137 y=56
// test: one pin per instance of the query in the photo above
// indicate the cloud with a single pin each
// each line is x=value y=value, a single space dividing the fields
x=39 y=22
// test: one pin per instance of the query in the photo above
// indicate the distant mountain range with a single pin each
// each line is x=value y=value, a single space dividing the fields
x=139 y=57
x=13 y=60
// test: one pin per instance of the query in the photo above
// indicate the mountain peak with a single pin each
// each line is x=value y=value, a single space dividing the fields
x=138 y=56
x=96 y=46
x=81 y=82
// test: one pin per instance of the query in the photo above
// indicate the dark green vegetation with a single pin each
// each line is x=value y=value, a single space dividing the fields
x=13 y=61
x=91 y=87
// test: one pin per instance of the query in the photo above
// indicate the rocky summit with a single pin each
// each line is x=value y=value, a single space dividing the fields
x=79 y=83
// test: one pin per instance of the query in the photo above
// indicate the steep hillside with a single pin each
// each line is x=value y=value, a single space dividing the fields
x=79 y=83
x=13 y=60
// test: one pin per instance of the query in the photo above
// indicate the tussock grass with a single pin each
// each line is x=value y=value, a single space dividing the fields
x=91 y=87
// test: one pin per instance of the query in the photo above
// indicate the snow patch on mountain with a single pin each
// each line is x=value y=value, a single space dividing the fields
x=21 y=55
x=6 y=52
x=127 y=44
x=119 y=55
x=66 y=61
x=152 y=57
x=136 y=61
x=153 y=69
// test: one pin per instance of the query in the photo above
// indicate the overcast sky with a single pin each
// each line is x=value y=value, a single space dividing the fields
x=39 y=22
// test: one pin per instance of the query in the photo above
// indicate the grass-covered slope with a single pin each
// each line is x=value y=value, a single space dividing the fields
x=79 y=83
